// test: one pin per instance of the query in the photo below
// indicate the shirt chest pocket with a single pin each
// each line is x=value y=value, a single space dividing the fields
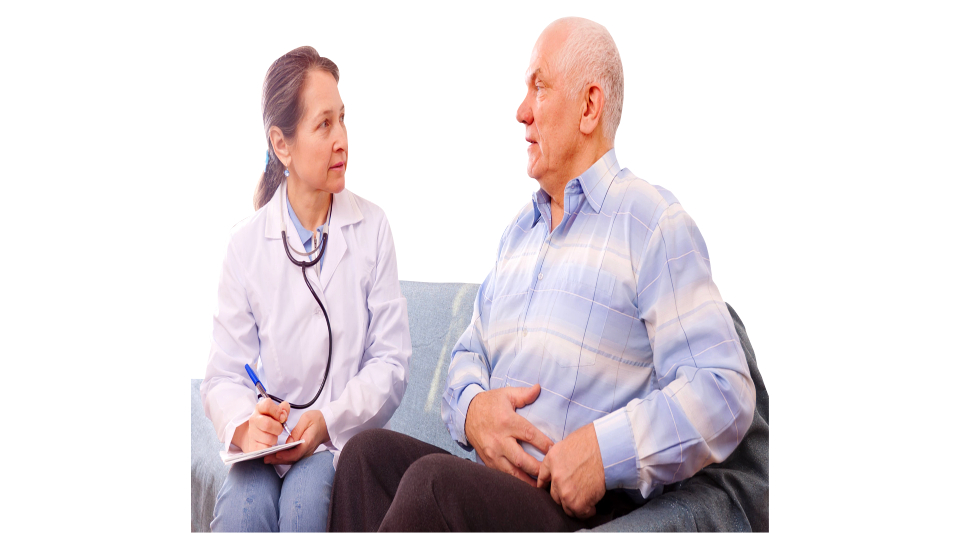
x=578 y=322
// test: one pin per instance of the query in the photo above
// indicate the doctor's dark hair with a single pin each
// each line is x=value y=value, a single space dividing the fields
x=282 y=108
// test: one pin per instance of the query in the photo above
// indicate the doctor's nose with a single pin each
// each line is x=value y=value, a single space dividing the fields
x=340 y=138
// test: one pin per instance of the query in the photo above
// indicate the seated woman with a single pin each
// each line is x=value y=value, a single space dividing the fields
x=332 y=355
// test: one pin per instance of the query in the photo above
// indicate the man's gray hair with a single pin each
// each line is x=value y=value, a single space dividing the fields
x=589 y=55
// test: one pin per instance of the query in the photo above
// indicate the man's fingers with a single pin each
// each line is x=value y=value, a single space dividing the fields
x=527 y=432
x=524 y=461
x=523 y=396
x=284 y=411
x=508 y=468
x=555 y=494
x=544 y=476
x=587 y=513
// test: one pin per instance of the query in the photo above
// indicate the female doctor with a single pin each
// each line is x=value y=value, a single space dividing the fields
x=268 y=316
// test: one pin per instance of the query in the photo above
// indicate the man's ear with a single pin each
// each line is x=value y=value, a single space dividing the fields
x=280 y=146
x=592 y=109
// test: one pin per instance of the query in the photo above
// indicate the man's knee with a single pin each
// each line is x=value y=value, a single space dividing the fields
x=434 y=470
x=419 y=502
x=366 y=445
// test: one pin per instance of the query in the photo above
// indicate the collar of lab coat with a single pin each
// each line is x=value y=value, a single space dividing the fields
x=345 y=212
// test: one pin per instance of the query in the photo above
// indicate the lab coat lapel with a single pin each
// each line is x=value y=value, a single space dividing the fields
x=278 y=220
x=345 y=213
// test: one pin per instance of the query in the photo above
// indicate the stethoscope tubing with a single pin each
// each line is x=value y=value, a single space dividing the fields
x=303 y=268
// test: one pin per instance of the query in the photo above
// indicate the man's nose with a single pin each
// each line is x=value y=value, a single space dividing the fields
x=524 y=113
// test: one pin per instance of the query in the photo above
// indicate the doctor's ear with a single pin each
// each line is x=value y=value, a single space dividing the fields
x=280 y=146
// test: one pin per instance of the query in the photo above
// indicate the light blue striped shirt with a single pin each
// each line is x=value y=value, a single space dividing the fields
x=616 y=316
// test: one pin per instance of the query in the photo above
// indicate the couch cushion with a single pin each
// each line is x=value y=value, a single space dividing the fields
x=439 y=313
x=207 y=471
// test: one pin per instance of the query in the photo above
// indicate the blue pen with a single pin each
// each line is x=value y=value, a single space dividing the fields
x=263 y=391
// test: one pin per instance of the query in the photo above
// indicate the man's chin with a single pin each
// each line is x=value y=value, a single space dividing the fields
x=532 y=169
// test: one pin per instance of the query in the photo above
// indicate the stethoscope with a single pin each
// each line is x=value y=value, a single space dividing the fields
x=303 y=267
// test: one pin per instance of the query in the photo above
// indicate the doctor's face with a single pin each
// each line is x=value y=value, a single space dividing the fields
x=550 y=117
x=319 y=151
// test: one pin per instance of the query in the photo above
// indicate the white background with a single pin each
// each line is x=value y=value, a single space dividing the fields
x=816 y=145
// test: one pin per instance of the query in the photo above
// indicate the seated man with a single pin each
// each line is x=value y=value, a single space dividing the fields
x=601 y=363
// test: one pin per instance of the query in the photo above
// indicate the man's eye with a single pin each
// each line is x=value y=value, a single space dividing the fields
x=324 y=124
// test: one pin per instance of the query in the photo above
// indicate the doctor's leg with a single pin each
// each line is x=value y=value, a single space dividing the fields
x=249 y=499
x=305 y=496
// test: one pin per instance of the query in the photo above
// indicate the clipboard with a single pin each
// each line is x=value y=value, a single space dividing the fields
x=235 y=455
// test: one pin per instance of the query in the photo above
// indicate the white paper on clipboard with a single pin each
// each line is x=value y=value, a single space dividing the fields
x=235 y=455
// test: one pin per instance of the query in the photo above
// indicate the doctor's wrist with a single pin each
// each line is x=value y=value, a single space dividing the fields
x=240 y=436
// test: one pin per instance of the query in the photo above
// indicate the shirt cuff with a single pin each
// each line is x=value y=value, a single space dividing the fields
x=618 y=452
x=462 y=405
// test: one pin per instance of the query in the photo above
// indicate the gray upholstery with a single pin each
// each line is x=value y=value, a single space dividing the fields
x=439 y=313
x=732 y=495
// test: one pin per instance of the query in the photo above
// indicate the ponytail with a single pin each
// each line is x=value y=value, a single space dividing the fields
x=269 y=181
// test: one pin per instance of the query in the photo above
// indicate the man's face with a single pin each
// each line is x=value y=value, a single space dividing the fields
x=551 y=119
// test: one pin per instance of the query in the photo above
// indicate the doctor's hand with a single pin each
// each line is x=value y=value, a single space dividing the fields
x=263 y=427
x=574 y=471
x=494 y=428
x=312 y=428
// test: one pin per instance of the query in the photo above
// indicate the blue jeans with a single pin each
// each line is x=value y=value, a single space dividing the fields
x=255 y=498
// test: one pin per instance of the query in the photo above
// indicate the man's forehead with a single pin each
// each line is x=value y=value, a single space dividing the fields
x=544 y=50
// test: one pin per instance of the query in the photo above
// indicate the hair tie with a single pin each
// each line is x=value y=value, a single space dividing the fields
x=267 y=163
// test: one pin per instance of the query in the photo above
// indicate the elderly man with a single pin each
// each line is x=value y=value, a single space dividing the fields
x=601 y=363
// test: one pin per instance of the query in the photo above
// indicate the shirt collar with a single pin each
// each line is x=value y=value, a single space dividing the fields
x=593 y=183
x=306 y=236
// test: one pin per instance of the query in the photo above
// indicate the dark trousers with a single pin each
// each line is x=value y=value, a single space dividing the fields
x=388 y=481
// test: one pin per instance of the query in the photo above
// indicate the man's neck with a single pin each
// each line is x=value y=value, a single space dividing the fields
x=583 y=160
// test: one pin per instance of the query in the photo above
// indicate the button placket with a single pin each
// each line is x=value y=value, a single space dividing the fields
x=540 y=260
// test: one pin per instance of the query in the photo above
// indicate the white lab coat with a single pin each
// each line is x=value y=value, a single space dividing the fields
x=266 y=315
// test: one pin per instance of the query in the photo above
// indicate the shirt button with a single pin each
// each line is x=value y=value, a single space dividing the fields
x=524 y=332
x=540 y=276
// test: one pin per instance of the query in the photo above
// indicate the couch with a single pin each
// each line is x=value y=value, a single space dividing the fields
x=732 y=495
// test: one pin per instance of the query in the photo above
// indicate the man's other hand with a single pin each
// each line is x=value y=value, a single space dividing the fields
x=574 y=470
x=493 y=428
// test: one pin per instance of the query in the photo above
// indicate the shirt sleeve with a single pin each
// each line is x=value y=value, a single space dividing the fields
x=227 y=393
x=374 y=393
x=705 y=397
